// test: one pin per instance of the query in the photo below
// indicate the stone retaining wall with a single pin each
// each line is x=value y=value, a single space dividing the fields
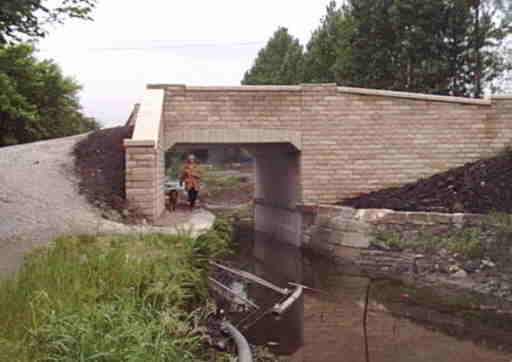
x=327 y=227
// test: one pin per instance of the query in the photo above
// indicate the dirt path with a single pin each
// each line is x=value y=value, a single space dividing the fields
x=39 y=200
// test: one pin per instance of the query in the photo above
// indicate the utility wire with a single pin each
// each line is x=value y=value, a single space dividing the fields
x=177 y=46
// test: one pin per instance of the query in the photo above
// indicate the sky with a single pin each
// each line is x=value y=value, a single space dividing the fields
x=132 y=43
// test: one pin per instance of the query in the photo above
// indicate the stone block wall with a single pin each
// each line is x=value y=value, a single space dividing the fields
x=227 y=108
x=142 y=183
x=327 y=228
x=352 y=140
x=355 y=143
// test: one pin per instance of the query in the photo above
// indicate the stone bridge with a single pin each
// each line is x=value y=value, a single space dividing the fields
x=313 y=143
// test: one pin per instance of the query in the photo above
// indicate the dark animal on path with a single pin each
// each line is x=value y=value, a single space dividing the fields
x=171 y=200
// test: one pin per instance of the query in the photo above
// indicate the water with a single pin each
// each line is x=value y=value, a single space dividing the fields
x=328 y=326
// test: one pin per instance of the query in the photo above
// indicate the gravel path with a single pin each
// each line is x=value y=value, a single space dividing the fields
x=39 y=200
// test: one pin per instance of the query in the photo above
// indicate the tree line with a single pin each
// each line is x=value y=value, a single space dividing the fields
x=37 y=101
x=446 y=47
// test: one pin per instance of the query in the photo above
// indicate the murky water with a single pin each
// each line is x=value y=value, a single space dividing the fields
x=328 y=326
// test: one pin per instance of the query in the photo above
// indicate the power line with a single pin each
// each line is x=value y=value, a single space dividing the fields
x=176 y=46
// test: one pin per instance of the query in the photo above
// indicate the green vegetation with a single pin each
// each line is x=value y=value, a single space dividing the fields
x=228 y=189
x=173 y=164
x=438 y=47
x=223 y=181
x=280 y=62
x=28 y=18
x=469 y=241
x=488 y=239
x=37 y=101
x=112 y=298
x=392 y=239
x=217 y=183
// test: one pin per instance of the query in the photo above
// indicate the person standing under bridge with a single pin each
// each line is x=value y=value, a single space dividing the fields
x=190 y=176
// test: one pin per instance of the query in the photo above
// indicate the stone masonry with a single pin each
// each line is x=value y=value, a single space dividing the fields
x=347 y=140
x=329 y=229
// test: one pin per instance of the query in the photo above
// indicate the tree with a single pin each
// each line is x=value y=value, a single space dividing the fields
x=36 y=101
x=490 y=26
x=434 y=46
x=322 y=49
x=396 y=45
x=451 y=47
x=27 y=18
x=503 y=83
x=279 y=62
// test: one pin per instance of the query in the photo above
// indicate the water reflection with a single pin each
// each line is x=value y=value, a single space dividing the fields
x=325 y=327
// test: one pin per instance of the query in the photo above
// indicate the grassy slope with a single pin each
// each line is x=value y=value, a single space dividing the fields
x=111 y=298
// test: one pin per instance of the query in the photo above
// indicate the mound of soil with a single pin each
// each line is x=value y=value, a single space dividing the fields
x=100 y=165
x=478 y=187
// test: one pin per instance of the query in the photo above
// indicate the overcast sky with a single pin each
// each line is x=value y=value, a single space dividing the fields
x=132 y=43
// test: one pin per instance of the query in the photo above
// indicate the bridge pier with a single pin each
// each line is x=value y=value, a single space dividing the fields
x=277 y=193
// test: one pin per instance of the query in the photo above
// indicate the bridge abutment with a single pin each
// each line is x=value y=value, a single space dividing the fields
x=277 y=194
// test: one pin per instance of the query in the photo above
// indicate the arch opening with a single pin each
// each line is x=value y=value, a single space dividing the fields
x=277 y=186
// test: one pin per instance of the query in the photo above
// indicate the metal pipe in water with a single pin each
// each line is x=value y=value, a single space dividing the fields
x=253 y=278
x=242 y=346
x=281 y=308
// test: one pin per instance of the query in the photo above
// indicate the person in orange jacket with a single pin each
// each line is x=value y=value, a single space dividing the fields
x=190 y=176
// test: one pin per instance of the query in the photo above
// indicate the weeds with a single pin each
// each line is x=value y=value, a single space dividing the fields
x=468 y=241
x=110 y=298
x=488 y=239
x=391 y=239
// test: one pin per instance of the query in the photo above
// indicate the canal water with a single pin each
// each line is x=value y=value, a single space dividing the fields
x=327 y=325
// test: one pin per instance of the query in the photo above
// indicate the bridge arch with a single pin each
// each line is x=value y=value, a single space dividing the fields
x=277 y=189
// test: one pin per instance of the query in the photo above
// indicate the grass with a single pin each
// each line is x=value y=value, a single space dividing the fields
x=488 y=239
x=111 y=298
x=223 y=181
x=392 y=239
x=469 y=241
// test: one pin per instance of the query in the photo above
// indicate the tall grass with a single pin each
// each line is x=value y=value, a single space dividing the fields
x=109 y=298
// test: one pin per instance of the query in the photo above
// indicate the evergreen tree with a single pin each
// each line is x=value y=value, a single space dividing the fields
x=325 y=44
x=434 y=46
x=451 y=47
x=279 y=62
x=490 y=25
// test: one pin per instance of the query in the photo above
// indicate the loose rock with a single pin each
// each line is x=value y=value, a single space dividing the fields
x=460 y=274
